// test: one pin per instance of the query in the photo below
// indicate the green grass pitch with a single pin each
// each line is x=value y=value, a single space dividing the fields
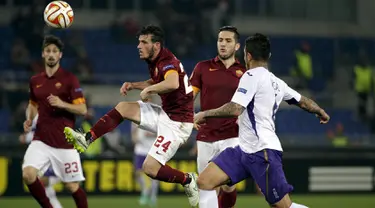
x=243 y=201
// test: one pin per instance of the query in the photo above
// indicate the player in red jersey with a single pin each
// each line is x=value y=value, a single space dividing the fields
x=172 y=122
x=56 y=96
x=217 y=80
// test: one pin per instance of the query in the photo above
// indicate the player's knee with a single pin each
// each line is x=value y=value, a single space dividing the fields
x=44 y=180
x=29 y=175
x=150 y=168
x=228 y=189
x=72 y=186
x=204 y=183
x=123 y=107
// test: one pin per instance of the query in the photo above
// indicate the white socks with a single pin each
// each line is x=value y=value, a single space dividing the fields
x=295 y=205
x=208 y=199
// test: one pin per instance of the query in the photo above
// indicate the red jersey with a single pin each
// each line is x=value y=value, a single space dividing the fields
x=52 y=120
x=217 y=85
x=178 y=104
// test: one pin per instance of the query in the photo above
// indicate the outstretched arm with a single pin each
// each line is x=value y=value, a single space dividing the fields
x=230 y=109
x=312 y=107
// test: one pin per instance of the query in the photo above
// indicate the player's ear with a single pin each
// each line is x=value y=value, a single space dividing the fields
x=158 y=44
x=248 y=56
x=237 y=46
x=60 y=56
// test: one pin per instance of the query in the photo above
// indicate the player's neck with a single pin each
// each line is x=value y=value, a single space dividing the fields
x=50 y=71
x=228 y=62
x=155 y=56
x=256 y=64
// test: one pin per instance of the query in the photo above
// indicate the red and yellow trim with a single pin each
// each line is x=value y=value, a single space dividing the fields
x=170 y=72
x=78 y=101
x=196 y=90
x=33 y=103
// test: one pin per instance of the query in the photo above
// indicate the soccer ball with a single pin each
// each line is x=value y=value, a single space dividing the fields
x=58 y=14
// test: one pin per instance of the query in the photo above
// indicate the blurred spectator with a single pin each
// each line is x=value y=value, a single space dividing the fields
x=338 y=137
x=302 y=68
x=83 y=68
x=124 y=29
x=19 y=54
x=220 y=16
x=362 y=81
x=74 y=45
x=19 y=117
x=37 y=66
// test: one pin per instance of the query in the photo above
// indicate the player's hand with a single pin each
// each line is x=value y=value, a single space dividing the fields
x=127 y=86
x=145 y=95
x=198 y=119
x=27 y=125
x=55 y=101
x=22 y=139
x=323 y=117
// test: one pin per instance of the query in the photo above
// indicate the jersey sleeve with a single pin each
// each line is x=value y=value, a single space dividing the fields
x=32 y=97
x=290 y=95
x=168 y=67
x=76 y=92
x=246 y=89
x=196 y=77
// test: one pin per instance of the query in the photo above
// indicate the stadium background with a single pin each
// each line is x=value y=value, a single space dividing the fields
x=101 y=51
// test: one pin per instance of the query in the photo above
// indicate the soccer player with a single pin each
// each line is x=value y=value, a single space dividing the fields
x=259 y=154
x=172 y=122
x=56 y=96
x=49 y=179
x=217 y=80
x=143 y=140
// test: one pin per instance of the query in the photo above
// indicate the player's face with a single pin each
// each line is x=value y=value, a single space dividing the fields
x=51 y=55
x=146 y=47
x=226 y=45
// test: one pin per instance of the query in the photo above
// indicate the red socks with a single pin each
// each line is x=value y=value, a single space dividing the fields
x=80 y=198
x=170 y=175
x=227 y=199
x=39 y=193
x=106 y=124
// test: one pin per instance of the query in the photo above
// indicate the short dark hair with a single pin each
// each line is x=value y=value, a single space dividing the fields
x=232 y=29
x=51 y=39
x=259 y=46
x=156 y=32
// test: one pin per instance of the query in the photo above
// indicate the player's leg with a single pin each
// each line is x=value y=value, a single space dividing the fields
x=36 y=160
x=170 y=136
x=49 y=180
x=225 y=169
x=154 y=193
x=66 y=164
x=266 y=168
x=139 y=175
x=123 y=110
x=205 y=152
x=228 y=194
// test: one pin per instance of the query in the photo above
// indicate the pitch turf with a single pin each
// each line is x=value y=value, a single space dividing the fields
x=319 y=201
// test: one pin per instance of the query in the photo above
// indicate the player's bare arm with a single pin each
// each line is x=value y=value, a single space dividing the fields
x=142 y=85
x=31 y=112
x=312 y=107
x=78 y=109
x=127 y=86
x=230 y=109
x=170 y=83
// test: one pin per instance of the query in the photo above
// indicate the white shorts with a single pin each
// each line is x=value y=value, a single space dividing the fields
x=170 y=134
x=66 y=163
x=209 y=150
